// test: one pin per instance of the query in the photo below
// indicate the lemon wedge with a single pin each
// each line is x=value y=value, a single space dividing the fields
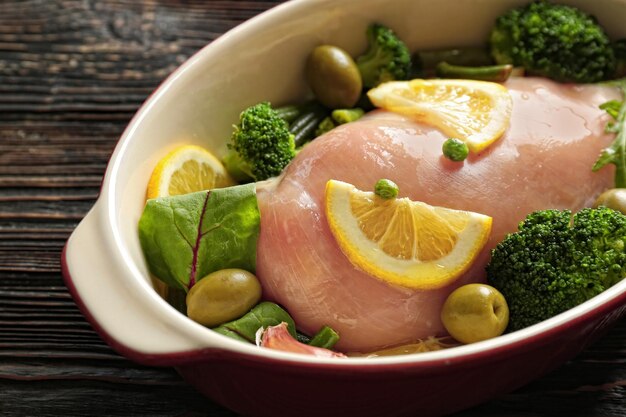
x=477 y=112
x=187 y=169
x=404 y=242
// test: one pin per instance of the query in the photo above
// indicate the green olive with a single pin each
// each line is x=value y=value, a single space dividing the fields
x=334 y=77
x=475 y=312
x=614 y=198
x=223 y=296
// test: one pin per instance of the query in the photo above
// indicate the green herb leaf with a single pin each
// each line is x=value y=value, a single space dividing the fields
x=612 y=107
x=264 y=314
x=616 y=153
x=186 y=237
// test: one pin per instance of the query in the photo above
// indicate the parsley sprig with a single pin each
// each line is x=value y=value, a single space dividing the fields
x=616 y=152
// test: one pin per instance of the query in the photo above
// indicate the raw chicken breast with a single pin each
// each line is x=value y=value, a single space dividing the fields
x=543 y=161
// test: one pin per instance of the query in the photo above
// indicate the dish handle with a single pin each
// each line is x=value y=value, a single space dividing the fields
x=126 y=313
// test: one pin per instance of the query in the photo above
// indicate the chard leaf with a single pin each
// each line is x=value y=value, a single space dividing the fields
x=186 y=237
x=616 y=152
x=264 y=314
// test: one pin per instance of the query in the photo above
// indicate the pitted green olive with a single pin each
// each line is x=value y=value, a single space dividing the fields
x=614 y=198
x=475 y=312
x=223 y=296
x=334 y=77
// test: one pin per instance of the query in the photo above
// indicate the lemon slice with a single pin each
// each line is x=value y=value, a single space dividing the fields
x=187 y=169
x=477 y=112
x=404 y=242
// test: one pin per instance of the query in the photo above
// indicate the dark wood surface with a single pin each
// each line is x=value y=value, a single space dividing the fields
x=72 y=74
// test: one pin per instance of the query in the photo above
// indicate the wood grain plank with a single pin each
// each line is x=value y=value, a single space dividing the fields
x=52 y=112
x=111 y=371
x=53 y=398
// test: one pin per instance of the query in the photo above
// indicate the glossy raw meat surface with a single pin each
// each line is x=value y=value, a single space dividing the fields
x=543 y=161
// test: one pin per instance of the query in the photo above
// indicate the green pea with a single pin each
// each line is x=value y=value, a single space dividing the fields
x=386 y=189
x=455 y=149
x=334 y=77
x=223 y=296
x=475 y=312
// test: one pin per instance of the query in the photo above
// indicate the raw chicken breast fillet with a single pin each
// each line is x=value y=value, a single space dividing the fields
x=543 y=161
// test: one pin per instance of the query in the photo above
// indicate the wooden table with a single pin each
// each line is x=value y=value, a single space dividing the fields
x=72 y=74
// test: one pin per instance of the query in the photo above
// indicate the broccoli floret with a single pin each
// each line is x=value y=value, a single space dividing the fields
x=235 y=167
x=556 y=262
x=325 y=126
x=261 y=145
x=553 y=40
x=386 y=59
x=619 y=48
x=343 y=116
x=338 y=117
